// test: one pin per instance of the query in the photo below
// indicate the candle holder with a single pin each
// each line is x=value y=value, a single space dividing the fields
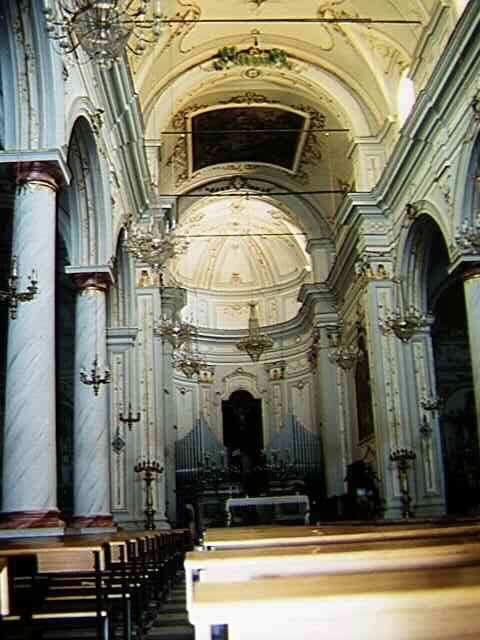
x=95 y=378
x=432 y=403
x=129 y=419
x=151 y=469
x=403 y=458
x=12 y=296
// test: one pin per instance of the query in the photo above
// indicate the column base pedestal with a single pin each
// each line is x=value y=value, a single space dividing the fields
x=92 y=524
x=31 y=523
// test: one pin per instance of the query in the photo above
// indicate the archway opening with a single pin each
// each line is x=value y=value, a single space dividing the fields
x=454 y=379
x=243 y=430
x=458 y=421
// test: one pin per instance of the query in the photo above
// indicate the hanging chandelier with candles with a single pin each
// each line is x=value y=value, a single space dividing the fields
x=175 y=331
x=104 y=29
x=255 y=343
x=344 y=356
x=151 y=245
x=187 y=359
x=405 y=320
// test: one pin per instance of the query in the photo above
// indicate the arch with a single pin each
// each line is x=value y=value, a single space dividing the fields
x=468 y=191
x=362 y=118
x=305 y=211
x=416 y=250
x=32 y=83
x=84 y=207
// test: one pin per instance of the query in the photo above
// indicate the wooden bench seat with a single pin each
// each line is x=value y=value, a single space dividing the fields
x=443 y=604
x=244 y=537
x=4 y=590
x=248 y=564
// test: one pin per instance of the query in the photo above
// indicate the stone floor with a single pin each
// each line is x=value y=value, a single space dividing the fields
x=172 y=620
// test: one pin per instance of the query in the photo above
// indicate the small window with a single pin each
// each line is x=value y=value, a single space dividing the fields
x=406 y=97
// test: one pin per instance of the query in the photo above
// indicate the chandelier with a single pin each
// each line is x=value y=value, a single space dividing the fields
x=104 y=29
x=255 y=343
x=174 y=331
x=405 y=320
x=342 y=355
x=187 y=359
x=468 y=236
x=152 y=246
x=405 y=324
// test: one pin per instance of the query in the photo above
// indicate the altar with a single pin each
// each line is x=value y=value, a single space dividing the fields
x=289 y=509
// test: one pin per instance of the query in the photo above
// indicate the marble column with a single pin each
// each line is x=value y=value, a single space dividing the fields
x=91 y=443
x=471 y=284
x=29 y=455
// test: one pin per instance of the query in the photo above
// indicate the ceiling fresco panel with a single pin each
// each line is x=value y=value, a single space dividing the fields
x=246 y=134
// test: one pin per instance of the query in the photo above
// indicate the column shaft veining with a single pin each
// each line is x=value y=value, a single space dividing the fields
x=29 y=458
x=91 y=475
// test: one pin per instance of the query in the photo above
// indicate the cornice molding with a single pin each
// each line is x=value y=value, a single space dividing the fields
x=120 y=339
x=53 y=156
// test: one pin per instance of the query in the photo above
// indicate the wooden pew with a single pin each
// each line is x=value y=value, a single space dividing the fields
x=443 y=604
x=245 y=537
x=112 y=570
x=242 y=565
x=249 y=554
x=56 y=557
x=4 y=591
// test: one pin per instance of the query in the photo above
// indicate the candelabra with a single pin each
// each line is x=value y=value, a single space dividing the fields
x=12 y=296
x=95 y=378
x=279 y=466
x=403 y=457
x=432 y=403
x=118 y=443
x=425 y=428
x=104 y=28
x=213 y=474
x=130 y=419
x=151 y=469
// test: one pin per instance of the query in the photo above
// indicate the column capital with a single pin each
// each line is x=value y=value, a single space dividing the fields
x=39 y=173
x=94 y=278
x=318 y=243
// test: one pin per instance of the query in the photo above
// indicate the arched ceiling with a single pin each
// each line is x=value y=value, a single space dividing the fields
x=272 y=91
x=336 y=63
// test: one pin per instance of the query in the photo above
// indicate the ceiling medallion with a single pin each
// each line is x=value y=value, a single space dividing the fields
x=104 y=29
x=251 y=74
x=255 y=343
